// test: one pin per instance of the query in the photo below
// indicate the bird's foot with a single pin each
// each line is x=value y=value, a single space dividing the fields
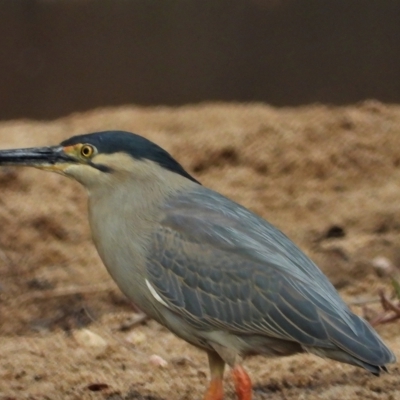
x=215 y=390
x=242 y=383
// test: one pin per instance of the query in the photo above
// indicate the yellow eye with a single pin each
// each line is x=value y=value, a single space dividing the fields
x=87 y=151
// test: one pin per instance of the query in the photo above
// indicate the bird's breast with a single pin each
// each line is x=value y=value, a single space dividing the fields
x=121 y=239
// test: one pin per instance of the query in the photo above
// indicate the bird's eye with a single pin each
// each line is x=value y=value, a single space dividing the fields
x=87 y=151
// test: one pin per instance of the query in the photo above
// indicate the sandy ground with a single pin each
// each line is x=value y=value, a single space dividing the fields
x=327 y=176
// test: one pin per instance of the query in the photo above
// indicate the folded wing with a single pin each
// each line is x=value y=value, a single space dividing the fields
x=221 y=267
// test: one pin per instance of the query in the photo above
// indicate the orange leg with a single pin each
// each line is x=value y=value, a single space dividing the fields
x=215 y=390
x=242 y=383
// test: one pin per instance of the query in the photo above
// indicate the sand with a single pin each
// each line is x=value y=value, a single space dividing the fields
x=327 y=176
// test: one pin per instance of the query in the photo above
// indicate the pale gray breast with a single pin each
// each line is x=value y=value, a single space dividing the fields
x=121 y=233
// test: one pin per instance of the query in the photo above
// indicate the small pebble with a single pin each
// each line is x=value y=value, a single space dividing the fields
x=136 y=338
x=382 y=266
x=158 y=361
x=91 y=340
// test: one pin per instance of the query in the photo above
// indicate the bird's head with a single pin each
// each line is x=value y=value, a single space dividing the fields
x=97 y=158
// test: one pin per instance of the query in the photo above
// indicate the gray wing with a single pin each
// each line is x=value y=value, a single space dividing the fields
x=219 y=266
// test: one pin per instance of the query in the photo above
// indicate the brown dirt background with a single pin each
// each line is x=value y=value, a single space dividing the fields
x=307 y=170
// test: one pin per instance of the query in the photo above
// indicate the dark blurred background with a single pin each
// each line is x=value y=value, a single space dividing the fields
x=60 y=56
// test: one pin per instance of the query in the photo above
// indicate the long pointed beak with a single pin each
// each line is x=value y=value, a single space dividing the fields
x=39 y=157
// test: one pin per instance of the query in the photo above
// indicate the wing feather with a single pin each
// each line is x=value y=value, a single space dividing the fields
x=219 y=266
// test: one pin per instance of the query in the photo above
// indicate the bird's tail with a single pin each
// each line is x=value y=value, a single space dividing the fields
x=358 y=345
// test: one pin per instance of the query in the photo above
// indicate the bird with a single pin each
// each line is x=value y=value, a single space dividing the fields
x=213 y=272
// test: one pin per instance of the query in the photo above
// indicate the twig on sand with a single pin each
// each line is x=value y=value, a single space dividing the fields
x=133 y=322
x=361 y=302
x=64 y=291
x=390 y=313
